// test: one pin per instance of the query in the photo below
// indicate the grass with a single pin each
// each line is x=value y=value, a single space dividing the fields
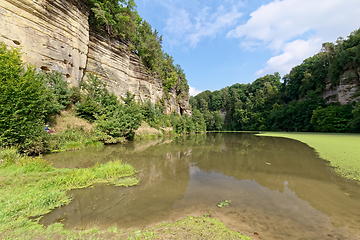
x=147 y=132
x=68 y=120
x=30 y=187
x=188 y=228
x=341 y=150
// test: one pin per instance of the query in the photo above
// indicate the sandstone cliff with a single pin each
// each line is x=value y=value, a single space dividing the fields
x=346 y=90
x=55 y=36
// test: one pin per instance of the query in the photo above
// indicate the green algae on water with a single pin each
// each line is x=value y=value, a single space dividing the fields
x=341 y=150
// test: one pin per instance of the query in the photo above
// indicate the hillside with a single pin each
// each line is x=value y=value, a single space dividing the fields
x=321 y=94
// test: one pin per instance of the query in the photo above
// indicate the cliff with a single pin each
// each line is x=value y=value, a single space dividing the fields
x=54 y=35
x=347 y=89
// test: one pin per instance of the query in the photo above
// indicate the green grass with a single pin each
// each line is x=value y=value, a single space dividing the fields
x=188 y=228
x=341 y=150
x=30 y=187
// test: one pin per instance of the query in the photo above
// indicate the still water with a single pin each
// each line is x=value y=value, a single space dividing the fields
x=278 y=187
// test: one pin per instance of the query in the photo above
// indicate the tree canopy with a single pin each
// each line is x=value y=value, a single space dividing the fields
x=120 y=20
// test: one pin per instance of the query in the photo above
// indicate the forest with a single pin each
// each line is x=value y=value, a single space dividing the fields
x=31 y=99
x=293 y=103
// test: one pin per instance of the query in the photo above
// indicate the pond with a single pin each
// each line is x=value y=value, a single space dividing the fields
x=278 y=187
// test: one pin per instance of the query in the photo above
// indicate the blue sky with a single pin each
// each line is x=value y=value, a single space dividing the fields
x=220 y=43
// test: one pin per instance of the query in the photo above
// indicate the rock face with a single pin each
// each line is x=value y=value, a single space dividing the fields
x=345 y=92
x=120 y=69
x=54 y=35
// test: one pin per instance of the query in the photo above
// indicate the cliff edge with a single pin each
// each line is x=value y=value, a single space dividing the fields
x=54 y=35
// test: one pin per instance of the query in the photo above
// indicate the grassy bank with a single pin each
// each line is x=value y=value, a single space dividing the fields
x=341 y=150
x=30 y=187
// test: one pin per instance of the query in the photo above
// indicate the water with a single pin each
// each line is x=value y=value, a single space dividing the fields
x=279 y=188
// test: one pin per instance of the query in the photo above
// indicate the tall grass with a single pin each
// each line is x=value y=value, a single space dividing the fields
x=30 y=187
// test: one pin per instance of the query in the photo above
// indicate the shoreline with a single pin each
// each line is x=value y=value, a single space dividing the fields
x=341 y=150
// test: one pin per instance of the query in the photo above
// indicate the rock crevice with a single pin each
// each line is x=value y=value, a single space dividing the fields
x=54 y=35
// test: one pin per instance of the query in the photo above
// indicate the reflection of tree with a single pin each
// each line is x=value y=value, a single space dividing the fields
x=164 y=176
x=274 y=162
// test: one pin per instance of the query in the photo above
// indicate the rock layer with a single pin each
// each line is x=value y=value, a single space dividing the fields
x=54 y=35
x=121 y=70
x=345 y=91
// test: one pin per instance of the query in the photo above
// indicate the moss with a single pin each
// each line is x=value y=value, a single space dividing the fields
x=341 y=150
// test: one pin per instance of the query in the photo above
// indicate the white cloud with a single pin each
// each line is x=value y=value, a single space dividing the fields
x=294 y=53
x=192 y=23
x=295 y=29
x=193 y=91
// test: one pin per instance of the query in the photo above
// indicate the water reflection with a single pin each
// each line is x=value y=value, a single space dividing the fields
x=278 y=187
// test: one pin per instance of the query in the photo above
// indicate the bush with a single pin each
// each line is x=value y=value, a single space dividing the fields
x=8 y=156
x=153 y=115
x=59 y=88
x=23 y=100
x=87 y=108
x=121 y=122
x=354 y=123
x=331 y=118
x=198 y=119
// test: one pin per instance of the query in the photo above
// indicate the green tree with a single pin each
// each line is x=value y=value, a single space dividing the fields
x=23 y=102
x=119 y=123
x=218 y=121
x=331 y=118
x=354 y=123
x=198 y=119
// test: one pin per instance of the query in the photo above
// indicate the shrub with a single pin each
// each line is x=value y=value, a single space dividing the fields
x=331 y=118
x=121 y=122
x=354 y=123
x=8 y=156
x=87 y=108
x=23 y=99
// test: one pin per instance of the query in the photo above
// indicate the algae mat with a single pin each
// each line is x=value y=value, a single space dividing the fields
x=341 y=150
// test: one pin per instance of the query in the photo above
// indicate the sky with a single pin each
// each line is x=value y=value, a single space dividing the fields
x=220 y=43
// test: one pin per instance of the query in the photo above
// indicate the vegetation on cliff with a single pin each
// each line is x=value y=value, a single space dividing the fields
x=119 y=19
x=295 y=103
x=29 y=100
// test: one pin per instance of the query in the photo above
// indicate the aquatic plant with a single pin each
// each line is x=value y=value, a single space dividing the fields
x=224 y=203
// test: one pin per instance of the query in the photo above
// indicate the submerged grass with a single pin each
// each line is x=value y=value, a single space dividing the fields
x=341 y=150
x=30 y=187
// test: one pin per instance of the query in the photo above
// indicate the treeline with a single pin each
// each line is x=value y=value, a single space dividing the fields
x=30 y=99
x=295 y=103
x=120 y=20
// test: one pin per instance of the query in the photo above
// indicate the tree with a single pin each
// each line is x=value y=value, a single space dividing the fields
x=198 y=119
x=23 y=100
x=331 y=118
x=218 y=121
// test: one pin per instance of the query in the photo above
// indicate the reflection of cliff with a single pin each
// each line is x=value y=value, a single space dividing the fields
x=163 y=181
x=295 y=181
